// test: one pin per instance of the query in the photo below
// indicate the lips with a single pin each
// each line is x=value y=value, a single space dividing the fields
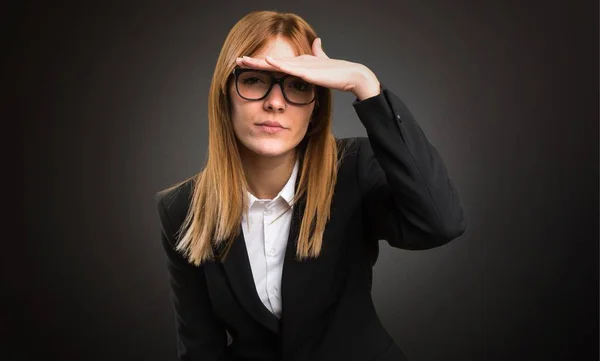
x=270 y=127
x=271 y=124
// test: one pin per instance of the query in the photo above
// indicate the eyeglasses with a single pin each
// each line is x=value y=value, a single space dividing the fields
x=252 y=84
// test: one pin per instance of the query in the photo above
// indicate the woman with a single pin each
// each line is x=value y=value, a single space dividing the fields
x=274 y=241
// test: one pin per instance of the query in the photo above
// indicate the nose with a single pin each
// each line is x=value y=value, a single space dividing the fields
x=275 y=100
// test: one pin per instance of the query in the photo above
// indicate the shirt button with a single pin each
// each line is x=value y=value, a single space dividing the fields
x=272 y=252
x=273 y=290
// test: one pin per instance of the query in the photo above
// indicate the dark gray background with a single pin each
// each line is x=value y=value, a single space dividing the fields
x=115 y=94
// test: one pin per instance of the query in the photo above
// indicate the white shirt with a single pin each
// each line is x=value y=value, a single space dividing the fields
x=266 y=240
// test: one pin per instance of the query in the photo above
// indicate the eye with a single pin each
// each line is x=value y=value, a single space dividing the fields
x=252 y=80
x=300 y=85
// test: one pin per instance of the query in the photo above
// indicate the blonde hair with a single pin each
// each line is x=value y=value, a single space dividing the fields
x=219 y=190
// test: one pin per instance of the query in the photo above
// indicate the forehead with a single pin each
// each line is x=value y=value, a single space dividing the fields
x=277 y=47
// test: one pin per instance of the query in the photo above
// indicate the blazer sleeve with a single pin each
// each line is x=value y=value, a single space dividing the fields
x=200 y=335
x=410 y=200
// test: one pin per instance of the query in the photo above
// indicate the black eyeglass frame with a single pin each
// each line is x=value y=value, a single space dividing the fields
x=274 y=80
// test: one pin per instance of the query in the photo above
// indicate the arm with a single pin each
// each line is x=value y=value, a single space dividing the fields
x=200 y=335
x=408 y=195
x=404 y=182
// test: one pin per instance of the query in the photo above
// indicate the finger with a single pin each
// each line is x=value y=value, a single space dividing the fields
x=283 y=66
x=273 y=62
x=240 y=62
x=254 y=63
x=317 y=49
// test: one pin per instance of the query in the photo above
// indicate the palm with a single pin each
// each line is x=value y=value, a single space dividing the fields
x=328 y=73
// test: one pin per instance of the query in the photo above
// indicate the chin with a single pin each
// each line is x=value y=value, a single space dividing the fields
x=270 y=148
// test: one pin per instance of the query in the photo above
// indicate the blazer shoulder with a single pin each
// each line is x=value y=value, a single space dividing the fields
x=173 y=204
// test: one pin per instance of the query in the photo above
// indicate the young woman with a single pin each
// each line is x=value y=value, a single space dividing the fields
x=274 y=240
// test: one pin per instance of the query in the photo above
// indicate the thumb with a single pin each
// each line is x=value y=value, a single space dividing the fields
x=317 y=49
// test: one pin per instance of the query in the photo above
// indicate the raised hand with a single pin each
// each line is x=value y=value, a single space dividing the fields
x=320 y=70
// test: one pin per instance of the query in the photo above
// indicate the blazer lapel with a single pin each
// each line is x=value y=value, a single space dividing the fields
x=296 y=274
x=239 y=273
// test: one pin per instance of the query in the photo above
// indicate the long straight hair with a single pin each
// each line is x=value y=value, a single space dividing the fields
x=219 y=190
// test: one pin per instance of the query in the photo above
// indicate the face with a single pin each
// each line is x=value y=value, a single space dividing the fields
x=248 y=116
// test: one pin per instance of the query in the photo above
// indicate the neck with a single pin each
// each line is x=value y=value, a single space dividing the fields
x=266 y=177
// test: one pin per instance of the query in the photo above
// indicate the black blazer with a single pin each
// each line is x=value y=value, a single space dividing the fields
x=391 y=186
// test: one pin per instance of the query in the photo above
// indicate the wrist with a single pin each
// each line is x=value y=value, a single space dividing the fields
x=367 y=84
